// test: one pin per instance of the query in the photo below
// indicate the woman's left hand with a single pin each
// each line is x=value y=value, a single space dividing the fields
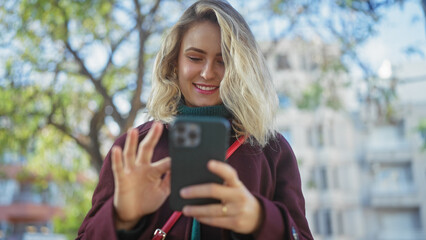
x=240 y=211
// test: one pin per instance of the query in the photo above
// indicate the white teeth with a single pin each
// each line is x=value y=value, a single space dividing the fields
x=205 y=88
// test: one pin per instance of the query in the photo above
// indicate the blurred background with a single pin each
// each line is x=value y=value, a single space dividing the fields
x=351 y=79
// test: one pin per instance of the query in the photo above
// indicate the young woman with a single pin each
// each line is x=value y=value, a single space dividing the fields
x=209 y=64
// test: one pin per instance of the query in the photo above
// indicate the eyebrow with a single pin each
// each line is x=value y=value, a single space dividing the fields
x=200 y=51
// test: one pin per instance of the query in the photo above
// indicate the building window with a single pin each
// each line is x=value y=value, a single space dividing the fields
x=400 y=221
x=7 y=189
x=323 y=183
x=28 y=194
x=282 y=62
x=315 y=136
x=323 y=222
x=336 y=179
x=310 y=137
x=394 y=178
x=320 y=135
x=340 y=223
x=308 y=63
x=327 y=220
x=401 y=128
x=331 y=134
x=311 y=183
x=317 y=222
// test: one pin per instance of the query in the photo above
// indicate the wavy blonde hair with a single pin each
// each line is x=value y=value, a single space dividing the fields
x=246 y=90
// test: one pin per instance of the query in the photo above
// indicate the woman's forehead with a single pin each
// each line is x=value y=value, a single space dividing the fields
x=204 y=36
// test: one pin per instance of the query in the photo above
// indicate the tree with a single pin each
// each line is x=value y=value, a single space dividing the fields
x=82 y=67
x=53 y=78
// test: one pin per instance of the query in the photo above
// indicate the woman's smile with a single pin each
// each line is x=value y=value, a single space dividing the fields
x=205 y=89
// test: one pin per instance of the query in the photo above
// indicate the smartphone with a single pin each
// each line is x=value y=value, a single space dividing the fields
x=193 y=141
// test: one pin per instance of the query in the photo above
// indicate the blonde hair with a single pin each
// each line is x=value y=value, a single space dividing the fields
x=246 y=90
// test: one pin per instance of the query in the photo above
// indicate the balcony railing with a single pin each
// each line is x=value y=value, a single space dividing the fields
x=405 y=234
x=402 y=153
x=393 y=195
x=43 y=236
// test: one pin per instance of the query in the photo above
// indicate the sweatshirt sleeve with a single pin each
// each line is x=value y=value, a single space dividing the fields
x=284 y=215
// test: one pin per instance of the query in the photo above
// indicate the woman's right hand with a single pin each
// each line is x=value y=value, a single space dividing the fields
x=140 y=188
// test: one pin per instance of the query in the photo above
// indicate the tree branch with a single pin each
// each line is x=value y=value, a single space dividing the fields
x=65 y=130
x=114 y=47
x=89 y=143
x=135 y=102
x=96 y=124
x=122 y=8
x=152 y=13
x=83 y=69
x=97 y=83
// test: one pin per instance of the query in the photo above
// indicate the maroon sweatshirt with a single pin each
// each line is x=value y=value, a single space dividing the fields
x=271 y=174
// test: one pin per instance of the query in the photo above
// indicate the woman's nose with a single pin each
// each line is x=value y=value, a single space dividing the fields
x=208 y=71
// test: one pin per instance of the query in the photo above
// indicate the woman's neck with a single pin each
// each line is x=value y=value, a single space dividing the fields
x=217 y=110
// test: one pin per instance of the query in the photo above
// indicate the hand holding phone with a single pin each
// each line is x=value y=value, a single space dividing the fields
x=193 y=141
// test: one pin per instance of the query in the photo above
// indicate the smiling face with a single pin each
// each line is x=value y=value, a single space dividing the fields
x=200 y=65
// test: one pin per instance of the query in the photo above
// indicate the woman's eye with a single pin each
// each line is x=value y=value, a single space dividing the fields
x=195 y=59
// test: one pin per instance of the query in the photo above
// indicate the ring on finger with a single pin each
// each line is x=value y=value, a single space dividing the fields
x=224 y=209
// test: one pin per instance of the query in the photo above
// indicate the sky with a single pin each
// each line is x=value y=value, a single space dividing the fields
x=399 y=28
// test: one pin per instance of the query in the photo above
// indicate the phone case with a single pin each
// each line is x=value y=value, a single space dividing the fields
x=193 y=141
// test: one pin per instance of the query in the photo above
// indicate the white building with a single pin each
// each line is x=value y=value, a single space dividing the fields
x=27 y=209
x=361 y=180
x=394 y=164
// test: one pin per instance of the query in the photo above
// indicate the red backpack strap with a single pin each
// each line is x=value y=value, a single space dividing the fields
x=234 y=146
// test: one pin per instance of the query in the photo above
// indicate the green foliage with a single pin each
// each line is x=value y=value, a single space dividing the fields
x=38 y=182
x=311 y=184
x=78 y=198
x=422 y=130
x=25 y=176
x=69 y=168
x=21 y=115
x=311 y=97
x=3 y=174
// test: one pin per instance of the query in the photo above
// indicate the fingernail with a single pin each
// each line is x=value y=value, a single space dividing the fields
x=183 y=192
x=185 y=210
x=212 y=163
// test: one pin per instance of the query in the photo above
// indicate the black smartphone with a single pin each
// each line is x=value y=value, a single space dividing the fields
x=193 y=141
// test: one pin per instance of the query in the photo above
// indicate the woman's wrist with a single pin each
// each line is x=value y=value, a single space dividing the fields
x=260 y=216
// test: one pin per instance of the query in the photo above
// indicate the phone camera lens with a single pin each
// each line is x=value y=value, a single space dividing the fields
x=180 y=141
x=180 y=128
x=193 y=135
